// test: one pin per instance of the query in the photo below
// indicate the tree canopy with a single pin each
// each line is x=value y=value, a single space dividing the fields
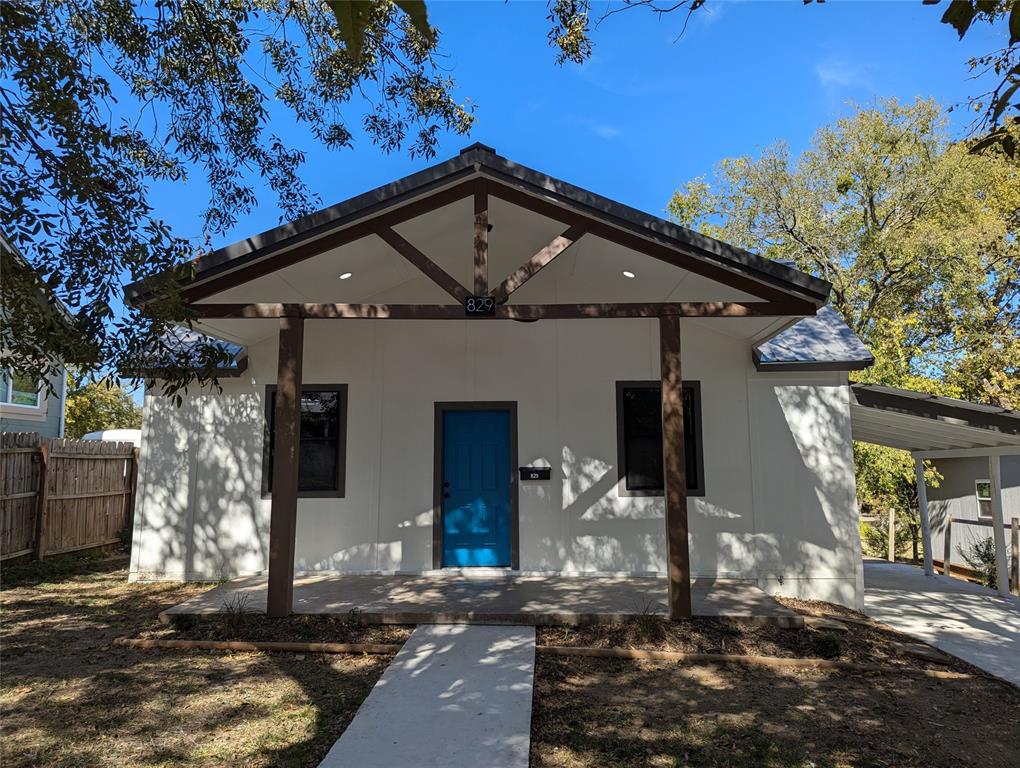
x=104 y=98
x=96 y=405
x=919 y=238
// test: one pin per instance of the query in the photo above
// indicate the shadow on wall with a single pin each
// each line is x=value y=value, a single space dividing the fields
x=806 y=515
x=202 y=516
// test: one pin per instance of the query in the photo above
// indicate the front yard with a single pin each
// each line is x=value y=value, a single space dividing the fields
x=69 y=698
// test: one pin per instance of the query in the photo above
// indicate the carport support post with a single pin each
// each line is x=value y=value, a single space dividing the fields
x=922 y=508
x=998 y=524
x=286 y=436
x=674 y=468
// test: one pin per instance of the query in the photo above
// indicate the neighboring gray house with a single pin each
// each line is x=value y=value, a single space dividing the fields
x=964 y=493
x=27 y=405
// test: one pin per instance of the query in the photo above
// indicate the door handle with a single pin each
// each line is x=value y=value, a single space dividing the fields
x=446 y=484
x=446 y=495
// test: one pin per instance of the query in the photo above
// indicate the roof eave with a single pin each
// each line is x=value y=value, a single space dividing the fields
x=480 y=160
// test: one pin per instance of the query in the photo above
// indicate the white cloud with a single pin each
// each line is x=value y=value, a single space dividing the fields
x=840 y=73
x=606 y=131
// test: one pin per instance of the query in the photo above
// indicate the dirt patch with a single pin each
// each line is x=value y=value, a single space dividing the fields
x=860 y=644
x=68 y=698
x=589 y=713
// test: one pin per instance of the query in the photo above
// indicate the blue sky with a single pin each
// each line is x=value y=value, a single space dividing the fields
x=648 y=112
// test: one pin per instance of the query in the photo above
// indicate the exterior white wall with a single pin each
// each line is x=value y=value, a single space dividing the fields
x=780 y=503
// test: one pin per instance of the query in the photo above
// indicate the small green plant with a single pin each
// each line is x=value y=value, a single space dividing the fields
x=826 y=645
x=235 y=607
x=182 y=622
x=980 y=557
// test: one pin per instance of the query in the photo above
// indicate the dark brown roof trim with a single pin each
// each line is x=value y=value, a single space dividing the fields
x=479 y=159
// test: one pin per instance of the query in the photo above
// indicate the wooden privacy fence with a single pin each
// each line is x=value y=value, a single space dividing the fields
x=63 y=495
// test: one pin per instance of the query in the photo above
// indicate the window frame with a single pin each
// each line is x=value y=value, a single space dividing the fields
x=341 y=442
x=980 y=499
x=9 y=403
x=696 y=486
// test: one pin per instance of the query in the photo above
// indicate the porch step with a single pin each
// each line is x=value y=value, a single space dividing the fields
x=455 y=695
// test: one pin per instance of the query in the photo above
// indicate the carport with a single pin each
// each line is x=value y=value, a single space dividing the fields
x=932 y=427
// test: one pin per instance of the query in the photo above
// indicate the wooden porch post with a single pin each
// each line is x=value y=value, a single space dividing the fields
x=674 y=468
x=922 y=509
x=286 y=435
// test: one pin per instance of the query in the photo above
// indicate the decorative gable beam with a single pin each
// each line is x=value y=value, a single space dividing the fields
x=534 y=265
x=627 y=239
x=433 y=271
x=481 y=239
x=287 y=253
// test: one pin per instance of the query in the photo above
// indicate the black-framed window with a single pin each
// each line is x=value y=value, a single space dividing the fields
x=639 y=438
x=323 y=445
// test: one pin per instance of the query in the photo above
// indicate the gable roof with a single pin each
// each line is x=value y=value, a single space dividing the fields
x=480 y=161
x=822 y=342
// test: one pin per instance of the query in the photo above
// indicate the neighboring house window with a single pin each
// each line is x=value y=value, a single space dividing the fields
x=639 y=438
x=983 y=491
x=19 y=389
x=323 y=444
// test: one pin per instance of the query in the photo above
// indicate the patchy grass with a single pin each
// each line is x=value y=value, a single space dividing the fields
x=589 y=713
x=68 y=698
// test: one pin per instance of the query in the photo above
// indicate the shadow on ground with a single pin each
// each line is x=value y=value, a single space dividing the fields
x=600 y=712
x=68 y=698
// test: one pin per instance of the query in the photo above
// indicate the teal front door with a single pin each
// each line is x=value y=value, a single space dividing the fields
x=477 y=483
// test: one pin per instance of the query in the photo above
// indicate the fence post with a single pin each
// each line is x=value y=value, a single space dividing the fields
x=1014 y=549
x=892 y=536
x=38 y=550
x=947 y=549
x=133 y=498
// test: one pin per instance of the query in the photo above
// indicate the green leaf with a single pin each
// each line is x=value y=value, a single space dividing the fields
x=1014 y=24
x=415 y=9
x=352 y=18
x=960 y=14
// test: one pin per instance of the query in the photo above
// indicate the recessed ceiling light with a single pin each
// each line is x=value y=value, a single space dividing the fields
x=628 y=273
x=346 y=275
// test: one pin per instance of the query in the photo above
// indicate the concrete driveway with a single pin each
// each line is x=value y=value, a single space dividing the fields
x=964 y=619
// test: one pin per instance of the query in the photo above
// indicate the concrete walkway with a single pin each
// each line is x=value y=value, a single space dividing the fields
x=967 y=620
x=455 y=695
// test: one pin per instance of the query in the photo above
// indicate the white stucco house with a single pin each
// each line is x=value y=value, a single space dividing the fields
x=475 y=366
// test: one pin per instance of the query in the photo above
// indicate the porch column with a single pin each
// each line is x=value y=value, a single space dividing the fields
x=998 y=520
x=286 y=434
x=922 y=508
x=674 y=468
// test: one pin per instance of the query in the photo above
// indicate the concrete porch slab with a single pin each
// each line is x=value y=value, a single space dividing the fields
x=507 y=599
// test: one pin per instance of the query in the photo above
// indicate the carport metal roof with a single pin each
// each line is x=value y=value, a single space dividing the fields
x=934 y=427
x=921 y=422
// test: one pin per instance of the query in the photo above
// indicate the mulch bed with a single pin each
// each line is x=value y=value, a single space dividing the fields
x=860 y=644
x=258 y=628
